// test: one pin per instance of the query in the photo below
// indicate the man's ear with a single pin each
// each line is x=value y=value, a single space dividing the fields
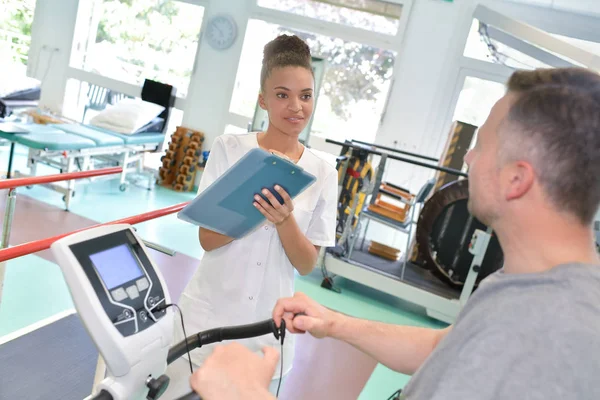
x=261 y=101
x=520 y=178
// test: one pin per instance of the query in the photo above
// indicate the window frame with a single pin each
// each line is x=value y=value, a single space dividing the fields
x=332 y=29
x=123 y=86
x=465 y=66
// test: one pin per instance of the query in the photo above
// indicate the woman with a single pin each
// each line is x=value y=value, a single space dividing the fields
x=239 y=281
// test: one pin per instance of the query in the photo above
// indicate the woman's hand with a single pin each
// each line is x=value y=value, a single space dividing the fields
x=299 y=250
x=275 y=212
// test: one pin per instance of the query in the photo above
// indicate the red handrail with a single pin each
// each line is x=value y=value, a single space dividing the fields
x=35 y=180
x=43 y=244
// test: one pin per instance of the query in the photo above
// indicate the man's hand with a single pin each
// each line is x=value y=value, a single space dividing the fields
x=303 y=314
x=274 y=212
x=234 y=372
x=401 y=348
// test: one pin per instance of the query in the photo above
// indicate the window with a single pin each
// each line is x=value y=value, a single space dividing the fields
x=353 y=91
x=476 y=99
x=130 y=40
x=481 y=46
x=475 y=102
x=84 y=100
x=373 y=15
x=15 y=32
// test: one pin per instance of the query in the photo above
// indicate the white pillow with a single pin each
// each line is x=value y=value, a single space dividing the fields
x=127 y=116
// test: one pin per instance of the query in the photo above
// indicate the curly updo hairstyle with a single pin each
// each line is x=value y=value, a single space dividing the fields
x=284 y=51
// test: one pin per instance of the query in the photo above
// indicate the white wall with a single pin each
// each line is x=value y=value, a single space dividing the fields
x=51 y=39
x=426 y=68
x=211 y=88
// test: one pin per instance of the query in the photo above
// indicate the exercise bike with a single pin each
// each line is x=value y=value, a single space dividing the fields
x=122 y=300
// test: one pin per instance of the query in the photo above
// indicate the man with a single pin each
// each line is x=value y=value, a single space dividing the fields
x=532 y=329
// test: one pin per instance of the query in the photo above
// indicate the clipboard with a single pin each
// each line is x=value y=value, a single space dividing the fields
x=226 y=206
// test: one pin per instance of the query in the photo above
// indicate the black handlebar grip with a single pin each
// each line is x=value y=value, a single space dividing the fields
x=250 y=330
x=219 y=334
x=238 y=332
x=228 y=333
x=190 y=396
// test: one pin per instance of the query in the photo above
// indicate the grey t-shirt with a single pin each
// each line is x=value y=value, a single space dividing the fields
x=525 y=336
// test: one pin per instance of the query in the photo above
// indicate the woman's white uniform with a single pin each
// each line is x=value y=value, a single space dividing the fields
x=240 y=282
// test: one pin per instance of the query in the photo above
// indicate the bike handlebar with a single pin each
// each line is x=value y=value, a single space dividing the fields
x=212 y=336
x=229 y=333
x=219 y=334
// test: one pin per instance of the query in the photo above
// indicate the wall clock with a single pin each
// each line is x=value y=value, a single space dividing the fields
x=221 y=31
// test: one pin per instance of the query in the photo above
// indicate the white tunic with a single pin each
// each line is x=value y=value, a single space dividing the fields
x=240 y=282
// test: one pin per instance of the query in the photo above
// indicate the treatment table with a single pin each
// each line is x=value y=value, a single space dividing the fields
x=68 y=147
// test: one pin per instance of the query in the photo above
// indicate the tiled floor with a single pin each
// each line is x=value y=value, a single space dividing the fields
x=34 y=288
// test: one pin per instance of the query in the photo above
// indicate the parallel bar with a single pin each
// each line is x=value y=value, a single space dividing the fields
x=8 y=217
x=406 y=160
x=6 y=226
x=408 y=153
x=44 y=244
x=36 y=180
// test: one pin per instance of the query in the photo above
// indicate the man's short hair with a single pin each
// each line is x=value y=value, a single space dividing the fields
x=554 y=123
